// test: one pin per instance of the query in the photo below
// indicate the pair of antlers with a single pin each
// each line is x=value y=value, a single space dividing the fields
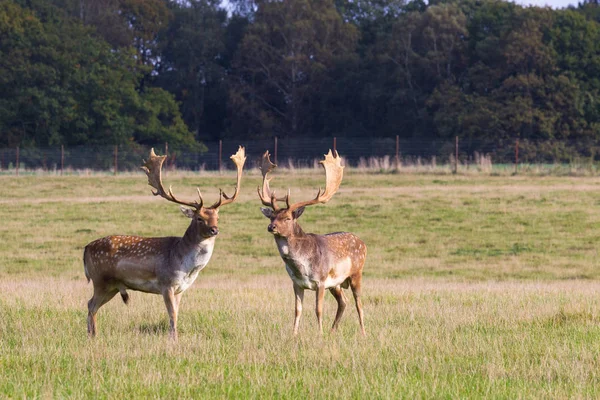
x=334 y=173
x=153 y=169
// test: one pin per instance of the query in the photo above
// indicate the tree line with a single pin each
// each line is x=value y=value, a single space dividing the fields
x=142 y=72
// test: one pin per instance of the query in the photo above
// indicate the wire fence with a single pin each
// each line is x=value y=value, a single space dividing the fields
x=303 y=153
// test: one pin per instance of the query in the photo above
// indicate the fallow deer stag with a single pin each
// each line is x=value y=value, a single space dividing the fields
x=160 y=265
x=315 y=262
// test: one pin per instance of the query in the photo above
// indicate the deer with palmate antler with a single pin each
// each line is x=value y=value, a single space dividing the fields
x=315 y=262
x=161 y=265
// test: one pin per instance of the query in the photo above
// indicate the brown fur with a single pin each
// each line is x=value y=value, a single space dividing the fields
x=117 y=263
x=316 y=262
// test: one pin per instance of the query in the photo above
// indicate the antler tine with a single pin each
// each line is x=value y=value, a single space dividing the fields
x=334 y=172
x=239 y=159
x=267 y=197
x=153 y=169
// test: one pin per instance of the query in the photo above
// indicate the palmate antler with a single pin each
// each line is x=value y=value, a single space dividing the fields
x=239 y=159
x=334 y=172
x=267 y=196
x=153 y=169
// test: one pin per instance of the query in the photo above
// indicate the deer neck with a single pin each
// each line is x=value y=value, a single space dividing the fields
x=194 y=249
x=290 y=246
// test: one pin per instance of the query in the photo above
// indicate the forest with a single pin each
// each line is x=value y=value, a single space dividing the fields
x=142 y=72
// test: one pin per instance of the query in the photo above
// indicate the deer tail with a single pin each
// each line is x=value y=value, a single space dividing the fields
x=85 y=269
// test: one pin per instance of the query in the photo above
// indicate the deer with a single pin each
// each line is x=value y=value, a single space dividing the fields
x=167 y=266
x=315 y=262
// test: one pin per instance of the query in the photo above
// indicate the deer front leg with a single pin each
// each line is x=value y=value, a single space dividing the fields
x=299 y=294
x=178 y=300
x=172 y=303
x=319 y=307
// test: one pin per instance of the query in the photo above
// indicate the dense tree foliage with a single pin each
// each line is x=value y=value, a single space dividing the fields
x=148 y=71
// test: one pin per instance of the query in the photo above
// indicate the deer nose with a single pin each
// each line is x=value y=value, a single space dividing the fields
x=271 y=228
x=214 y=231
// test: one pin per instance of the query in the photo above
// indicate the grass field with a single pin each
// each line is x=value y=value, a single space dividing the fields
x=475 y=286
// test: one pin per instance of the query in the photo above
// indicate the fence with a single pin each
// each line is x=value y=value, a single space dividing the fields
x=299 y=153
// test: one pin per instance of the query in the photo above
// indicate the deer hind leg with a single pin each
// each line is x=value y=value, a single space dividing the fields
x=299 y=295
x=355 y=285
x=338 y=293
x=101 y=296
x=319 y=306
x=172 y=303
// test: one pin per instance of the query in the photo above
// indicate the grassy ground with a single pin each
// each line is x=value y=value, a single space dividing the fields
x=475 y=286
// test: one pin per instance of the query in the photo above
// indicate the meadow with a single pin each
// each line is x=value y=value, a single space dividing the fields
x=475 y=286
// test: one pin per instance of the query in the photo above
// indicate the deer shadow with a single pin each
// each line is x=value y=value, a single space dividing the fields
x=159 y=328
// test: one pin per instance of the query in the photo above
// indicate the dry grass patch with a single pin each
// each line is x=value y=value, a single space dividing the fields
x=425 y=339
x=474 y=287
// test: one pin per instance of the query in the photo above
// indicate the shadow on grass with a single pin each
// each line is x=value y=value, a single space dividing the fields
x=160 y=328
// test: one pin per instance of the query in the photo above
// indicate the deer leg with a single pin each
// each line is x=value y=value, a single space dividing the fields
x=172 y=304
x=178 y=300
x=100 y=297
x=341 y=300
x=319 y=306
x=355 y=285
x=299 y=294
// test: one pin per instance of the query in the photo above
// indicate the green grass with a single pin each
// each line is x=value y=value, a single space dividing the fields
x=474 y=286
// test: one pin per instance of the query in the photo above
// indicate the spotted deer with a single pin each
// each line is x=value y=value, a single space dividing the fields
x=160 y=265
x=315 y=262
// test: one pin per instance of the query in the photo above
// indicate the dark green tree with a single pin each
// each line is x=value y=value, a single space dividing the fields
x=61 y=85
x=282 y=64
x=195 y=58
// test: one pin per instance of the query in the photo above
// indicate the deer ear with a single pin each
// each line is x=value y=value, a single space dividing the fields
x=267 y=212
x=297 y=213
x=188 y=212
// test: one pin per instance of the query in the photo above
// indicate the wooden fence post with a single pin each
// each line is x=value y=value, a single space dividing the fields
x=17 y=166
x=220 y=153
x=167 y=155
x=334 y=144
x=116 y=159
x=397 y=159
x=62 y=158
x=456 y=156
x=516 y=156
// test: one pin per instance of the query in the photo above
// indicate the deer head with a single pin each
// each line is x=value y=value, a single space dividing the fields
x=284 y=220
x=204 y=218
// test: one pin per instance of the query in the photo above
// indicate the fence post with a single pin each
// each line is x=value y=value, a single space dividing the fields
x=516 y=156
x=166 y=155
x=275 y=151
x=397 y=159
x=62 y=158
x=17 y=166
x=220 y=153
x=334 y=144
x=456 y=156
x=116 y=160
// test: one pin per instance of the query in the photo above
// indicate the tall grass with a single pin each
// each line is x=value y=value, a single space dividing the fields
x=477 y=164
x=475 y=286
